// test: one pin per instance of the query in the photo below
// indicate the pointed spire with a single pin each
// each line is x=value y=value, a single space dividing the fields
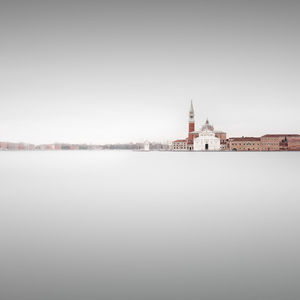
x=191 y=113
x=192 y=107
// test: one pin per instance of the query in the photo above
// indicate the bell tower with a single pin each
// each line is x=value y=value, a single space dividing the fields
x=191 y=122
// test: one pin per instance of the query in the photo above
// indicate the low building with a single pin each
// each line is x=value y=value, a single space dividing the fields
x=57 y=146
x=293 y=143
x=223 y=139
x=13 y=146
x=276 y=142
x=222 y=136
x=180 y=145
x=22 y=146
x=190 y=145
x=45 y=147
x=74 y=147
x=146 y=146
x=271 y=142
x=3 y=145
x=84 y=147
x=223 y=147
x=244 y=144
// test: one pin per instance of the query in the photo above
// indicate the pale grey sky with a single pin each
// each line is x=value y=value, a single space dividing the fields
x=118 y=71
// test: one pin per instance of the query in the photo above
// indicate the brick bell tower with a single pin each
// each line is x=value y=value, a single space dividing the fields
x=191 y=123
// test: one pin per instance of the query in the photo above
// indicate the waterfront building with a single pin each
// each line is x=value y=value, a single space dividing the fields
x=3 y=145
x=276 y=142
x=146 y=146
x=206 y=139
x=222 y=136
x=244 y=144
x=13 y=146
x=213 y=140
x=180 y=145
x=268 y=142
x=22 y=146
x=74 y=147
x=293 y=143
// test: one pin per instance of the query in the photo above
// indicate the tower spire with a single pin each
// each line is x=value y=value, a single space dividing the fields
x=191 y=125
x=192 y=107
x=191 y=113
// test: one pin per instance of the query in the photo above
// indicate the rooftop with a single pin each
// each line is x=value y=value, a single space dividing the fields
x=243 y=139
x=207 y=126
x=280 y=135
x=179 y=141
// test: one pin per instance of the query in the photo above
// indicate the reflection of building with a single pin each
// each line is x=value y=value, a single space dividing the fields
x=207 y=139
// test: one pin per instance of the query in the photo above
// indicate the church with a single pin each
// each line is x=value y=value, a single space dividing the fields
x=205 y=139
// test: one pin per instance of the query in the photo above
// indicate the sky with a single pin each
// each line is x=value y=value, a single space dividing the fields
x=120 y=71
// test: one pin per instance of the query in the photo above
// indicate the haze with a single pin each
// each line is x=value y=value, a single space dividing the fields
x=119 y=71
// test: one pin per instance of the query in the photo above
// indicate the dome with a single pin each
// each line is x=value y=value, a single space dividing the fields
x=207 y=126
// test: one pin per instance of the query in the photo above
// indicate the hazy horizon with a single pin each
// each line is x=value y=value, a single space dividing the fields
x=119 y=71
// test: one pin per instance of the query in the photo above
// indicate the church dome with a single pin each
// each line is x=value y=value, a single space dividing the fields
x=207 y=126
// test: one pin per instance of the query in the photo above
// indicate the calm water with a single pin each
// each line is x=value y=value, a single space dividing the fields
x=132 y=225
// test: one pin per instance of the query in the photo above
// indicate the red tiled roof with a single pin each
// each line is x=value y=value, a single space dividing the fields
x=280 y=135
x=244 y=139
x=179 y=141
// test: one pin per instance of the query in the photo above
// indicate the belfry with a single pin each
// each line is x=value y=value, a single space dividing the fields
x=191 y=136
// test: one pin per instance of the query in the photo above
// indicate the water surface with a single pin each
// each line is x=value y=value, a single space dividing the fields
x=125 y=225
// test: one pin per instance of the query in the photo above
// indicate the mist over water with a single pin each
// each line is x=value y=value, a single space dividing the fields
x=159 y=225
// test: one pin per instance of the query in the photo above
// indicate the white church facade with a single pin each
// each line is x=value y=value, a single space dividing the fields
x=206 y=139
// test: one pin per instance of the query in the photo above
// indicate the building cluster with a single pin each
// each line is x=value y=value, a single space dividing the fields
x=5 y=146
x=268 y=142
x=16 y=146
x=208 y=139
x=22 y=146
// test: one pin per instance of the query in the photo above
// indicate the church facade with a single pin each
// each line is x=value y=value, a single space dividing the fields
x=206 y=139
